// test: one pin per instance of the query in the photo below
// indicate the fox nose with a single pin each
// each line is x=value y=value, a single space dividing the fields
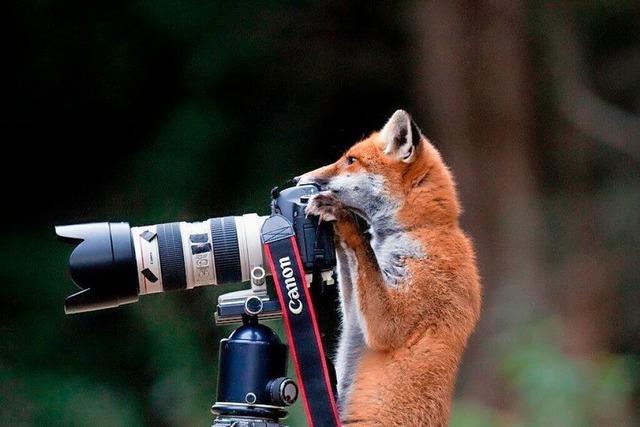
x=307 y=179
x=319 y=182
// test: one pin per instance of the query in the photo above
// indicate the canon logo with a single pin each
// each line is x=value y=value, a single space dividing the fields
x=295 y=305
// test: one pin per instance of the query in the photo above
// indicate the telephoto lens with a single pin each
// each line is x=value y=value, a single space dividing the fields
x=113 y=263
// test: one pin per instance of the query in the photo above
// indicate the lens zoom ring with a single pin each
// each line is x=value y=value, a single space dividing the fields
x=225 y=250
x=171 y=257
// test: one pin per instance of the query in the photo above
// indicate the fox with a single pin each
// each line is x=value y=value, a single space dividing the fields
x=410 y=293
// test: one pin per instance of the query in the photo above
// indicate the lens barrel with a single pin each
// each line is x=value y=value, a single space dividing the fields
x=114 y=263
x=171 y=256
x=226 y=252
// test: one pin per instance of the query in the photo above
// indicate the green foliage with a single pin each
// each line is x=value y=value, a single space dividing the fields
x=556 y=389
x=40 y=398
x=552 y=388
x=473 y=414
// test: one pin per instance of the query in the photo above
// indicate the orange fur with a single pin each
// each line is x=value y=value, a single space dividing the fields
x=416 y=332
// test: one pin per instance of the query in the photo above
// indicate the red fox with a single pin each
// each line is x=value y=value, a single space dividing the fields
x=410 y=295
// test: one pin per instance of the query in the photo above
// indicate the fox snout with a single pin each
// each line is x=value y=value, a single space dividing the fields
x=316 y=177
x=302 y=180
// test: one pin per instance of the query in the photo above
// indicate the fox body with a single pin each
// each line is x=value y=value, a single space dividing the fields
x=410 y=295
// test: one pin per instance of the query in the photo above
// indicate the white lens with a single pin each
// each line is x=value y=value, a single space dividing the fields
x=190 y=254
x=249 y=244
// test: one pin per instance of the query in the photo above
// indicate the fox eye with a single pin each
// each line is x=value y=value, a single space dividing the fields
x=351 y=160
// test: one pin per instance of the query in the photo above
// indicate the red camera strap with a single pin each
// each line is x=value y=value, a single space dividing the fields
x=301 y=325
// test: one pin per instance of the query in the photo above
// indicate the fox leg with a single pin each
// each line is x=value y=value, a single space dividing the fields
x=351 y=344
x=379 y=306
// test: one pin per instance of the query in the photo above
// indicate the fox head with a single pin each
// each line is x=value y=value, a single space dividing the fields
x=394 y=177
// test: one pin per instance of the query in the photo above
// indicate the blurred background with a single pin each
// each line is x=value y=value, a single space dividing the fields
x=154 y=111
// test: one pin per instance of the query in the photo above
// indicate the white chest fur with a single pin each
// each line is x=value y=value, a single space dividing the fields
x=392 y=251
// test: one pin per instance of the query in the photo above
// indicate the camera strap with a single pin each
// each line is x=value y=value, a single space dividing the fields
x=301 y=325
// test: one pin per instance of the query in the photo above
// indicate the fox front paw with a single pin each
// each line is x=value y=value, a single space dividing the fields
x=326 y=206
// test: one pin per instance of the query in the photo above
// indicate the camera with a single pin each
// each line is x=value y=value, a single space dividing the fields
x=113 y=263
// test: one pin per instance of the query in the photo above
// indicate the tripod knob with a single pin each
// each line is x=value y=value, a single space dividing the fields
x=283 y=391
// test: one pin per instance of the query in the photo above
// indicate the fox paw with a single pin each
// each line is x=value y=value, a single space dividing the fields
x=326 y=206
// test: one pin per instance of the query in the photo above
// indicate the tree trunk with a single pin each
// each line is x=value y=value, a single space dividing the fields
x=473 y=77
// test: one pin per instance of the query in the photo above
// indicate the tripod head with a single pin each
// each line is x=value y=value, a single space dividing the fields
x=252 y=384
x=255 y=301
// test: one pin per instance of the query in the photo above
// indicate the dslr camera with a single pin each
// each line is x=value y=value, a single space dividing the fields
x=114 y=263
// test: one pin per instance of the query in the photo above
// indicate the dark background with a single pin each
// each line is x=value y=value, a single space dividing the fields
x=151 y=112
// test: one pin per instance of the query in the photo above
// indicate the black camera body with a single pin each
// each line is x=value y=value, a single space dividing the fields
x=315 y=240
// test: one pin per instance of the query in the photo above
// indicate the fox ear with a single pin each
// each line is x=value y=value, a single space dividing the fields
x=400 y=137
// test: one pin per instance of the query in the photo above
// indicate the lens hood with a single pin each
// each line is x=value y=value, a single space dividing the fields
x=103 y=265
